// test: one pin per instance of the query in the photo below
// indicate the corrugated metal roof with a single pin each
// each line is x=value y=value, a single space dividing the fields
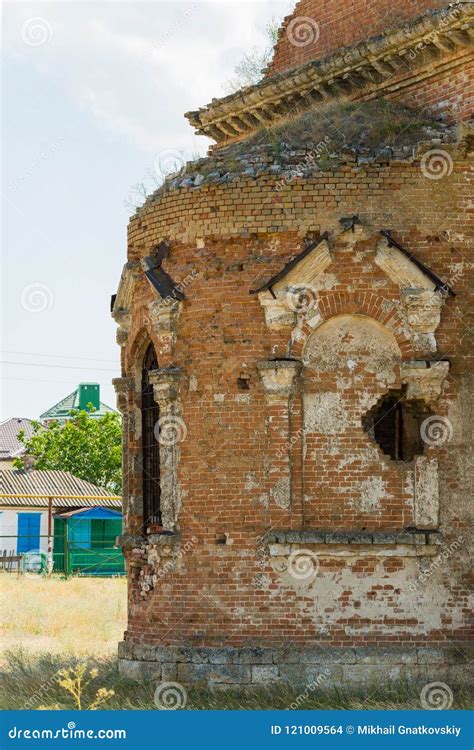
x=55 y=484
x=10 y=446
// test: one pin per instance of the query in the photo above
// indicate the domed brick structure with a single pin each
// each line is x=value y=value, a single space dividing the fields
x=294 y=323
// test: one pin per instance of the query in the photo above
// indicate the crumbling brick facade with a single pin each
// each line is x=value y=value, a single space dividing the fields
x=319 y=28
x=304 y=531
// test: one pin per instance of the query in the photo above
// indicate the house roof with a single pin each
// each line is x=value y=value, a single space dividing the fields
x=98 y=512
x=10 y=446
x=34 y=488
x=62 y=408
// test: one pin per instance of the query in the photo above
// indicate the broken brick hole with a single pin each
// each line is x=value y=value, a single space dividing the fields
x=395 y=425
x=243 y=383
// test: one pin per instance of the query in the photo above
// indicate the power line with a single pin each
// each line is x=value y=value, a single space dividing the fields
x=62 y=367
x=42 y=380
x=58 y=356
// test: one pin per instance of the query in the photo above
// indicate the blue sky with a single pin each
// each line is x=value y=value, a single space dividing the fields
x=93 y=99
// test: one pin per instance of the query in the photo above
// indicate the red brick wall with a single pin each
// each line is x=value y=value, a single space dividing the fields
x=339 y=24
x=446 y=90
x=233 y=237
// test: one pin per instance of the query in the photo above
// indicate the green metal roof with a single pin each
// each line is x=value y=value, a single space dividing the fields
x=60 y=411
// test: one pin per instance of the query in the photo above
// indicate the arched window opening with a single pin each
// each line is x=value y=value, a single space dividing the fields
x=150 y=446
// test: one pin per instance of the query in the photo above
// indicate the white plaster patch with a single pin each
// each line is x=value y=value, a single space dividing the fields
x=325 y=413
x=371 y=493
x=426 y=492
x=352 y=337
x=242 y=398
x=264 y=500
x=281 y=492
x=325 y=281
x=351 y=364
x=250 y=482
x=367 y=401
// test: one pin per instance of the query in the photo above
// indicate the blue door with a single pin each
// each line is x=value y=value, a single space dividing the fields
x=28 y=532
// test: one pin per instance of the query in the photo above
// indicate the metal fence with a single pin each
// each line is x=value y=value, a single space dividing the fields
x=102 y=559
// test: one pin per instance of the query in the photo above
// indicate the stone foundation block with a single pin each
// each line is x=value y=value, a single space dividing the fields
x=316 y=667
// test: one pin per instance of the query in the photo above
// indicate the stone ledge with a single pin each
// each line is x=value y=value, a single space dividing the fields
x=316 y=536
x=358 y=550
x=353 y=667
x=353 y=543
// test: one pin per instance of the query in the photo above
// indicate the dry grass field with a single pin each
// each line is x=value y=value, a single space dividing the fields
x=57 y=633
x=74 y=616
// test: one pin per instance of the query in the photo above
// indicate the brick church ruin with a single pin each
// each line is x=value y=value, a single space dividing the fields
x=294 y=320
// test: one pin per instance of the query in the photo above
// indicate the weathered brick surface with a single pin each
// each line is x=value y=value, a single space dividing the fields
x=232 y=237
x=339 y=25
x=298 y=545
x=444 y=86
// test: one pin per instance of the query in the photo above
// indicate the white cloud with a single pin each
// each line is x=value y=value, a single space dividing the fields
x=136 y=68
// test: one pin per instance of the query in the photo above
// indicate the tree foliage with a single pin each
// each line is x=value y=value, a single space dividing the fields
x=252 y=65
x=88 y=447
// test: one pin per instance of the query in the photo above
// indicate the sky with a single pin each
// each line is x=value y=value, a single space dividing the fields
x=93 y=100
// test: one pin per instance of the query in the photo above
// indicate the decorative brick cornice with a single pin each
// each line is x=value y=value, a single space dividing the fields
x=351 y=69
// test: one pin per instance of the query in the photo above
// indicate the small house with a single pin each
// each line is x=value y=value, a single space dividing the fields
x=56 y=514
x=10 y=446
x=84 y=542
